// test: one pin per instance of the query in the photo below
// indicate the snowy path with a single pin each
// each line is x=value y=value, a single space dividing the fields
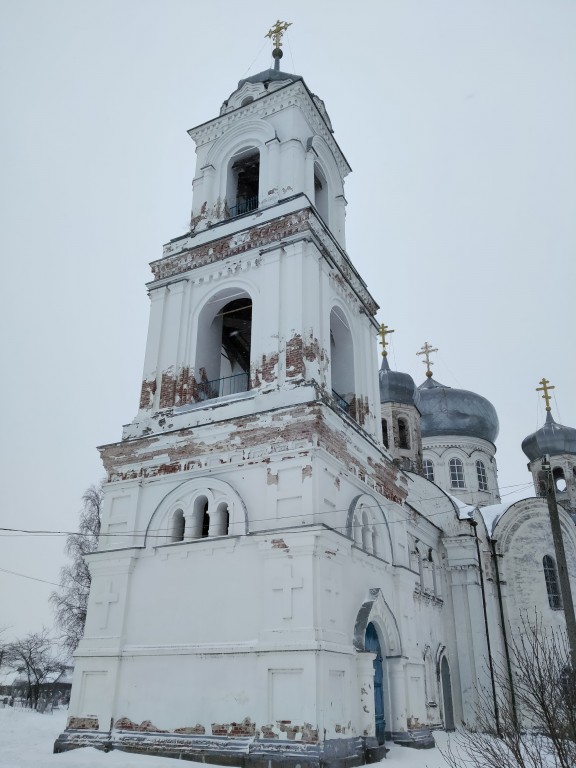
x=26 y=740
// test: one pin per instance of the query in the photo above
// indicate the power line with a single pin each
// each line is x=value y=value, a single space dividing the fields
x=32 y=578
x=17 y=532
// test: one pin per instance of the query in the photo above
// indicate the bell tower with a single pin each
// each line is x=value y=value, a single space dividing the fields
x=556 y=444
x=253 y=477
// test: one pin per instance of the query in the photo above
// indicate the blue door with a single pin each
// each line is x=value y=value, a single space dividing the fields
x=372 y=644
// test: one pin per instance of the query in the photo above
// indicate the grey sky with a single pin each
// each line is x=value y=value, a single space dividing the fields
x=458 y=118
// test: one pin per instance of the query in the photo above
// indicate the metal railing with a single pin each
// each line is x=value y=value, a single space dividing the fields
x=230 y=385
x=340 y=401
x=245 y=206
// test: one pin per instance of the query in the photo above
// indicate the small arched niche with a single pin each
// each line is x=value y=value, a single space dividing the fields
x=243 y=182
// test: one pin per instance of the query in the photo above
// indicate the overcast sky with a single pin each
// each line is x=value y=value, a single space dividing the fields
x=458 y=118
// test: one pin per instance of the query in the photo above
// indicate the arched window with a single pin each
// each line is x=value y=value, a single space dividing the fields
x=205 y=524
x=456 y=473
x=243 y=182
x=385 y=433
x=559 y=479
x=321 y=193
x=220 y=520
x=342 y=359
x=552 y=585
x=481 y=474
x=428 y=467
x=223 y=348
x=403 y=436
x=177 y=526
x=199 y=515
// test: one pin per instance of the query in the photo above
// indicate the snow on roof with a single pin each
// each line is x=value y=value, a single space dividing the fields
x=492 y=513
x=464 y=510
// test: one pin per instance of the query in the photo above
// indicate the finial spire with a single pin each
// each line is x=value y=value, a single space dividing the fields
x=546 y=387
x=426 y=349
x=275 y=34
x=384 y=331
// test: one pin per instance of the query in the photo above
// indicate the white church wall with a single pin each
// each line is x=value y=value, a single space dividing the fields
x=440 y=450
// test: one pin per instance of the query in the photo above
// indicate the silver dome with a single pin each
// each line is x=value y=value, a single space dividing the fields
x=449 y=411
x=396 y=387
x=550 y=440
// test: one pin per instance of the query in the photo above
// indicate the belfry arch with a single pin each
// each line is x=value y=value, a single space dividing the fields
x=342 y=358
x=223 y=347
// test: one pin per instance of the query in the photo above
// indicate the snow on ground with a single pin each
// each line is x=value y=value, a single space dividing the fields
x=27 y=738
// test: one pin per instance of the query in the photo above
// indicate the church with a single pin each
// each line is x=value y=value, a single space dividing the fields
x=303 y=554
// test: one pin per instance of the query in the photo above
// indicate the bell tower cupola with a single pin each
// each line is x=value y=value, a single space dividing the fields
x=555 y=443
x=272 y=141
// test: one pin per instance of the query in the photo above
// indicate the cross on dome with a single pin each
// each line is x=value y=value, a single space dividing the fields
x=275 y=34
x=426 y=349
x=546 y=387
x=384 y=331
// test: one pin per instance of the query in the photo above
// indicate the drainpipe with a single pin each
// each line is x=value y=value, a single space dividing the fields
x=474 y=525
x=495 y=557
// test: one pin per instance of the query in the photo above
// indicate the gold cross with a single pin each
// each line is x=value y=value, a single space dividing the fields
x=426 y=349
x=383 y=331
x=277 y=31
x=546 y=387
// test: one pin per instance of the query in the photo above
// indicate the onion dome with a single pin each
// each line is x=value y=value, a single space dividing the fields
x=396 y=387
x=550 y=440
x=450 y=411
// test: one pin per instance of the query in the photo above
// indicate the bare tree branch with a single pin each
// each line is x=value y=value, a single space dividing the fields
x=70 y=602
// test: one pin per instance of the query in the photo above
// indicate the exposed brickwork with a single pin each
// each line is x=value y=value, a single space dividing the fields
x=295 y=357
x=167 y=390
x=147 y=393
x=243 y=729
x=185 y=383
x=83 y=723
x=217 y=250
x=196 y=730
x=146 y=726
x=359 y=409
x=187 y=449
x=267 y=372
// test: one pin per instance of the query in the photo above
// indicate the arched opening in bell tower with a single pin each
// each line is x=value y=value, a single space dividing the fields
x=321 y=193
x=243 y=182
x=222 y=365
x=342 y=359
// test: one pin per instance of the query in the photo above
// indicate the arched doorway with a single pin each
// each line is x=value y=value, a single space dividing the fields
x=447 y=694
x=372 y=644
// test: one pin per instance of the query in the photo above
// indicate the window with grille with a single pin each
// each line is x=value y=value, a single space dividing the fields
x=428 y=467
x=456 y=473
x=481 y=473
x=552 y=585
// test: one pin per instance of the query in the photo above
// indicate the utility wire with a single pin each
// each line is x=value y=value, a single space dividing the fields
x=32 y=578
x=17 y=532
